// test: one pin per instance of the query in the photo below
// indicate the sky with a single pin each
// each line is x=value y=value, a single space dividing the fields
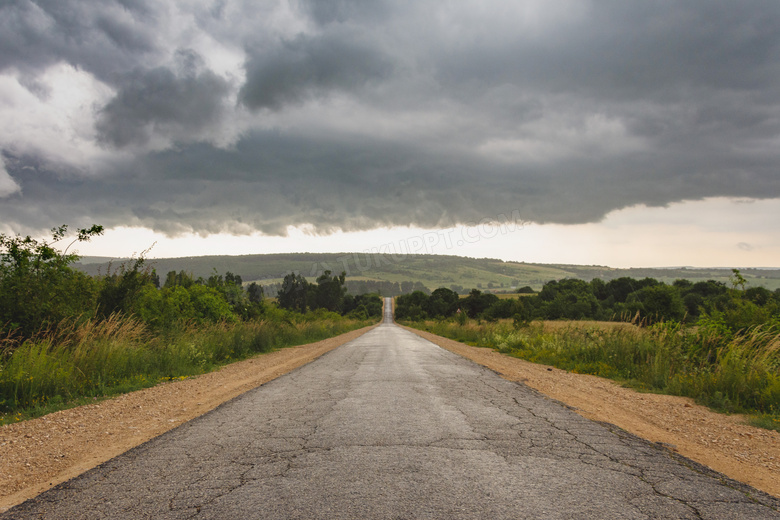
x=621 y=133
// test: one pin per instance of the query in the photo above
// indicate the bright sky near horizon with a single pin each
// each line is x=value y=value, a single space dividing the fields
x=701 y=234
x=615 y=133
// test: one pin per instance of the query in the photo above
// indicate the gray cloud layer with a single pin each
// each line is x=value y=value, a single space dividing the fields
x=159 y=98
x=310 y=66
x=352 y=114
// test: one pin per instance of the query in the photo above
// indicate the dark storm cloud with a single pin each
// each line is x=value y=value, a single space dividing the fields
x=270 y=180
x=163 y=100
x=273 y=181
x=341 y=11
x=627 y=50
x=102 y=37
x=450 y=112
x=310 y=66
x=115 y=41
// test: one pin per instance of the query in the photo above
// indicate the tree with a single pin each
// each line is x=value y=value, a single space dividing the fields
x=442 y=303
x=620 y=288
x=294 y=293
x=38 y=288
x=419 y=286
x=255 y=293
x=709 y=289
x=502 y=309
x=363 y=306
x=155 y=279
x=210 y=305
x=231 y=288
x=182 y=278
x=693 y=303
x=683 y=285
x=569 y=298
x=477 y=302
x=737 y=280
x=330 y=292
x=411 y=306
x=759 y=295
x=599 y=289
x=120 y=289
x=658 y=302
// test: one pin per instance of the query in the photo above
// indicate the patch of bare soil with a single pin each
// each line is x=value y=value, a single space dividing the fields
x=43 y=452
x=722 y=442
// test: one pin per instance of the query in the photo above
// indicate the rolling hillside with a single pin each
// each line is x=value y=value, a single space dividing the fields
x=432 y=271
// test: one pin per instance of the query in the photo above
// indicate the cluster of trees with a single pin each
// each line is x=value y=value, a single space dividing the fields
x=39 y=289
x=329 y=293
x=652 y=301
x=380 y=287
x=183 y=297
x=621 y=299
x=444 y=303
x=385 y=288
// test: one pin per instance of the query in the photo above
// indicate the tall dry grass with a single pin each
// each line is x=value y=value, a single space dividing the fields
x=730 y=372
x=119 y=354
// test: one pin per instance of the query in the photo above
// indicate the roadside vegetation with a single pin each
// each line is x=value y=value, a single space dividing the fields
x=67 y=337
x=717 y=344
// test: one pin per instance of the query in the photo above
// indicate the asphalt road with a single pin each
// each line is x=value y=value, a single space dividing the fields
x=392 y=426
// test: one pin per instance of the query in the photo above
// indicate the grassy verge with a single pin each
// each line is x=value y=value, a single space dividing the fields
x=733 y=373
x=98 y=359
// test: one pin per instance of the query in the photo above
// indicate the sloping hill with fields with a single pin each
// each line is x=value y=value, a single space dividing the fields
x=432 y=271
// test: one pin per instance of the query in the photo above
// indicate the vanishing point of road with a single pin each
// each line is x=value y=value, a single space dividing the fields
x=392 y=426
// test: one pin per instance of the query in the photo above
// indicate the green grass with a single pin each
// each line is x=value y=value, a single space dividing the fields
x=103 y=358
x=729 y=373
x=766 y=421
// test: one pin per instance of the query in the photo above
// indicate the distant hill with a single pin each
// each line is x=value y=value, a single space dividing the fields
x=432 y=271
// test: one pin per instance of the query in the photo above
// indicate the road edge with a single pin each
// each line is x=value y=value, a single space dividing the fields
x=761 y=479
x=279 y=364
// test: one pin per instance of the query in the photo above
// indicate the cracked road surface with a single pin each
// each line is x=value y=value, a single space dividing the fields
x=392 y=426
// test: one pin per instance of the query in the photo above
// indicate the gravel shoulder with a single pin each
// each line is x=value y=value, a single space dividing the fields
x=40 y=453
x=722 y=442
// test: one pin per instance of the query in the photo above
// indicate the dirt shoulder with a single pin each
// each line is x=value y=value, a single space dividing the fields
x=722 y=442
x=38 y=454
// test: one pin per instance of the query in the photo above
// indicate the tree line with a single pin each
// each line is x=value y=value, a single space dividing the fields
x=380 y=287
x=644 y=300
x=40 y=290
x=329 y=293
